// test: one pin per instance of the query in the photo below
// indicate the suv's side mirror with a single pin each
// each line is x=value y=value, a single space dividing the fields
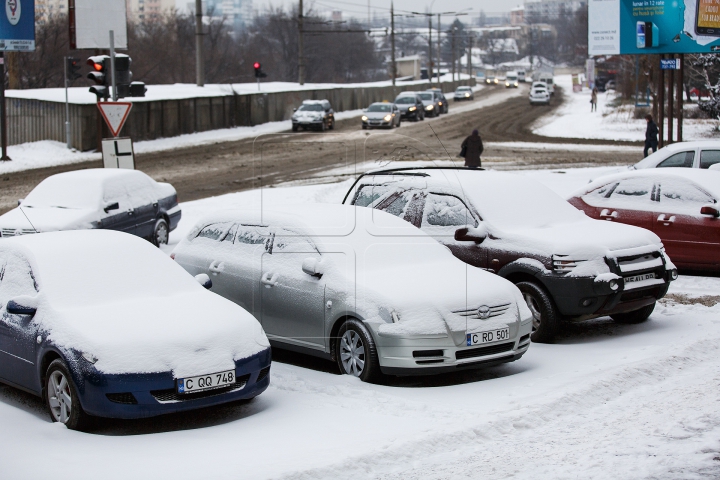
x=710 y=210
x=22 y=306
x=112 y=206
x=312 y=267
x=470 y=234
x=204 y=280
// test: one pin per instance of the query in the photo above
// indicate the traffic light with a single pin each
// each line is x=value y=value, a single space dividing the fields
x=72 y=69
x=123 y=75
x=258 y=70
x=100 y=74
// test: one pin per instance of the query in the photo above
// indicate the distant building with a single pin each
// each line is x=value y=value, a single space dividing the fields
x=149 y=9
x=238 y=14
x=517 y=16
x=408 y=67
x=545 y=10
x=46 y=9
x=336 y=16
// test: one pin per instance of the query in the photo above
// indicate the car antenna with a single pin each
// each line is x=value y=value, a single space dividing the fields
x=28 y=219
x=438 y=139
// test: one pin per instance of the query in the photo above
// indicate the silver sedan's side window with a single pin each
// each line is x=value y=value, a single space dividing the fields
x=289 y=241
x=214 y=231
x=251 y=235
x=368 y=194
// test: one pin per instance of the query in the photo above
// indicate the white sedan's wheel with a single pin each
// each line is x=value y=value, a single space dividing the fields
x=355 y=352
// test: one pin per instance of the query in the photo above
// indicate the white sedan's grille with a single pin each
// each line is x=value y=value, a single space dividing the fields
x=13 y=232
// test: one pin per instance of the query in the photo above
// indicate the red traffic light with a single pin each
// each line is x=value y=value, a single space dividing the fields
x=256 y=65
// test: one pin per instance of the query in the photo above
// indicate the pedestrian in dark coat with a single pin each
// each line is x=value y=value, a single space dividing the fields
x=473 y=148
x=651 y=136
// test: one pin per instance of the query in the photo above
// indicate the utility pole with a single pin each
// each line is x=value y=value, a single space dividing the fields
x=199 y=56
x=112 y=66
x=3 y=112
x=470 y=47
x=301 y=53
x=452 y=46
x=392 y=44
x=438 y=50
x=430 y=55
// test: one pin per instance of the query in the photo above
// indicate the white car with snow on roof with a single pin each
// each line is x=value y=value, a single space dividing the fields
x=699 y=154
x=99 y=323
x=359 y=287
x=567 y=265
x=105 y=198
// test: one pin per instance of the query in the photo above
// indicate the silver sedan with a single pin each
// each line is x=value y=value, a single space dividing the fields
x=359 y=287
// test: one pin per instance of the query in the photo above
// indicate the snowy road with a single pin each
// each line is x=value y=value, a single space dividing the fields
x=606 y=401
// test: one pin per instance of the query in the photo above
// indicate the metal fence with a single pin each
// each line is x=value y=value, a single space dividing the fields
x=35 y=120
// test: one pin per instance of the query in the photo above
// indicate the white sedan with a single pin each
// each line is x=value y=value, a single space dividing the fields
x=699 y=154
x=360 y=287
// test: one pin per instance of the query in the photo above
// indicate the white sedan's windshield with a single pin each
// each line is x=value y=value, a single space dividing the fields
x=379 y=108
x=63 y=192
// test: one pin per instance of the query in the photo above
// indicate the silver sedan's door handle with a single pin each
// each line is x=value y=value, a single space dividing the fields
x=607 y=215
x=269 y=279
x=216 y=267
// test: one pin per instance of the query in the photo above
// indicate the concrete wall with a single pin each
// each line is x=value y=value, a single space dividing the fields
x=34 y=120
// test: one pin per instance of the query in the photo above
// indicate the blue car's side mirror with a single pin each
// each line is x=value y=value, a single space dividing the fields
x=16 y=309
x=204 y=280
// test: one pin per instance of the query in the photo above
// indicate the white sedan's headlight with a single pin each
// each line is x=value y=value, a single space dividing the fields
x=467 y=94
x=387 y=118
x=364 y=118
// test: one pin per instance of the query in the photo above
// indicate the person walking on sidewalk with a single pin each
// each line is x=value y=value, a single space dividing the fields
x=651 y=135
x=471 y=149
x=593 y=99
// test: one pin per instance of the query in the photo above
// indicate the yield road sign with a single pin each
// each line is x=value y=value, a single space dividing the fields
x=115 y=114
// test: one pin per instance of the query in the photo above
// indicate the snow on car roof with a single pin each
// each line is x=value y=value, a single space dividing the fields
x=119 y=298
x=507 y=200
x=707 y=179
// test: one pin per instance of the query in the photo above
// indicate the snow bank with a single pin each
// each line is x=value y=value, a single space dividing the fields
x=574 y=120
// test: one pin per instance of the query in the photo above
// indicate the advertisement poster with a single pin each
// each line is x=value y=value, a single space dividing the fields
x=17 y=25
x=653 y=26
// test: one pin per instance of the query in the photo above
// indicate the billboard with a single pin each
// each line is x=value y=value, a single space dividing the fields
x=653 y=26
x=17 y=26
x=93 y=20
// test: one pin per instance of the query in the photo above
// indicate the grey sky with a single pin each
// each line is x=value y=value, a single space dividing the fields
x=359 y=8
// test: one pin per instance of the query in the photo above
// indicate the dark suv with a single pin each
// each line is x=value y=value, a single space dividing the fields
x=567 y=266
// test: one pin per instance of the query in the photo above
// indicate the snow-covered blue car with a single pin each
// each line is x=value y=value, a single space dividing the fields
x=101 y=323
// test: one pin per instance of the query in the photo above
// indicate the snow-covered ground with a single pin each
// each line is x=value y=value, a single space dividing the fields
x=575 y=120
x=48 y=153
x=606 y=401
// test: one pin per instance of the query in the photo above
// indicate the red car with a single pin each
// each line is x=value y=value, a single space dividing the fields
x=680 y=205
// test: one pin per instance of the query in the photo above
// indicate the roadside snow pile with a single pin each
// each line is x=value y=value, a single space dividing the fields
x=116 y=297
x=574 y=119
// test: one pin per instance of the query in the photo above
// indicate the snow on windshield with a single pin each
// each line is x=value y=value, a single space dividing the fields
x=311 y=108
x=383 y=107
x=65 y=191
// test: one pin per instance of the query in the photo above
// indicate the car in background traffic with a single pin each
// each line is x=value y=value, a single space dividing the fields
x=511 y=80
x=491 y=80
x=101 y=324
x=381 y=114
x=680 y=205
x=699 y=154
x=105 y=198
x=463 y=93
x=539 y=94
x=567 y=265
x=431 y=102
x=521 y=76
x=410 y=106
x=313 y=114
x=444 y=105
x=358 y=287
x=547 y=79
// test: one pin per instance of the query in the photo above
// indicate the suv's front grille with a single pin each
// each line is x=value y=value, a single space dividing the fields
x=638 y=263
x=171 y=396
x=484 y=351
x=495 y=311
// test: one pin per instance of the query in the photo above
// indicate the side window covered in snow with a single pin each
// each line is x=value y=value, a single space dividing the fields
x=130 y=191
x=16 y=278
x=251 y=235
x=214 y=231
x=288 y=241
x=682 y=159
x=680 y=196
x=600 y=195
x=446 y=211
x=709 y=158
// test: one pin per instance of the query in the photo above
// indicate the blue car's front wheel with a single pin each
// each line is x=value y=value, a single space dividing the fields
x=61 y=398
